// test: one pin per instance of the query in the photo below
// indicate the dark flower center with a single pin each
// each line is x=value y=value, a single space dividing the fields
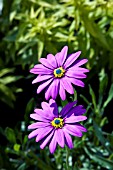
x=59 y=72
x=57 y=122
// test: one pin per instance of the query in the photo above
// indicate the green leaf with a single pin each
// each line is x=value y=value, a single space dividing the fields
x=6 y=71
x=10 y=79
x=22 y=167
x=6 y=95
x=103 y=78
x=93 y=98
x=10 y=135
x=103 y=162
x=29 y=108
x=110 y=96
x=101 y=138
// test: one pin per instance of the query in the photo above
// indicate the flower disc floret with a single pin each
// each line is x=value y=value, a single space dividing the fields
x=59 y=72
x=57 y=122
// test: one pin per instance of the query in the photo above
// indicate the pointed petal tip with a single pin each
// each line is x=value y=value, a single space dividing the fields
x=79 y=52
x=29 y=136
x=29 y=127
x=85 y=117
x=65 y=47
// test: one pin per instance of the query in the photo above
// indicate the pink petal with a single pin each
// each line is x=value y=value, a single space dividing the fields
x=60 y=137
x=71 y=129
x=40 y=69
x=68 y=139
x=48 y=138
x=81 y=128
x=42 y=113
x=53 y=104
x=62 y=91
x=52 y=60
x=46 y=63
x=75 y=74
x=76 y=82
x=81 y=62
x=34 y=133
x=67 y=85
x=71 y=59
x=43 y=132
x=78 y=69
x=38 y=125
x=41 y=78
x=47 y=109
x=42 y=86
x=52 y=89
x=73 y=119
x=53 y=144
x=61 y=56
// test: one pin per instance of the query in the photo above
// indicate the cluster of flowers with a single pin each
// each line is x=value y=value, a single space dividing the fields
x=57 y=74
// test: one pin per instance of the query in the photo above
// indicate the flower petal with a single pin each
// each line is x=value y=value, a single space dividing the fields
x=77 y=111
x=60 y=137
x=81 y=62
x=62 y=91
x=47 y=139
x=53 y=104
x=39 y=117
x=72 y=130
x=81 y=128
x=75 y=74
x=38 y=125
x=45 y=84
x=61 y=56
x=51 y=58
x=76 y=82
x=53 y=144
x=67 y=108
x=73 y=119
x=47 y=109
x=71 y=59
x=43 y=132
x=52 y=90
x=34 y=133
x=67 y=85
x=68 y=139
x=46 y=63
x=41 y=78
x=43 y=113
x=78 y=69
x=40 y=69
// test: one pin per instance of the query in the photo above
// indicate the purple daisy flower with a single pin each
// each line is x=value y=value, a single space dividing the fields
x=54 y=128
x=58 y=73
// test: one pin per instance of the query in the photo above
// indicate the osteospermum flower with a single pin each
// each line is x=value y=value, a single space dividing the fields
x=54 y=128
x=58 y=73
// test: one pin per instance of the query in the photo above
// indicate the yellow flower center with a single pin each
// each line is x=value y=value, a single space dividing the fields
x=57 y=122
x=59 y=72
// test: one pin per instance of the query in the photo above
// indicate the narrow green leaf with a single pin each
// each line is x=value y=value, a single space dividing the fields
x=110 y=96
x=103 y=162
x=22 y=167
x=101 y=138
x=93 y=97
x=6 y=71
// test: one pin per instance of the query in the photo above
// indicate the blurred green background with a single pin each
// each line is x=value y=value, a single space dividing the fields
x=30 y=29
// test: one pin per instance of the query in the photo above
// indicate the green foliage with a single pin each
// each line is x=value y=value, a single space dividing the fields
x=31 y=29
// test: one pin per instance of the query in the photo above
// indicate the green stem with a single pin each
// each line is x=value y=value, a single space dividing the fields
x=67 y=158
